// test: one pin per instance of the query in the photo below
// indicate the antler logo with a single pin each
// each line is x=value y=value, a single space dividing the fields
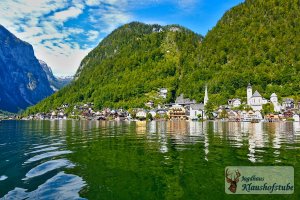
x=233 y=182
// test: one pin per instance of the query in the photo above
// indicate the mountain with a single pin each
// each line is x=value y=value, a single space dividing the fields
x=23 y=81
x=255 y=42
x=56 y=83
x=127 y=67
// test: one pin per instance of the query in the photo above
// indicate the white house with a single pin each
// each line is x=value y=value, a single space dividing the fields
x=141 y=114
x=257 y=115
x=255 y=100
x=251 y=115
x=163 y=93
x=149 y=104
x=196 y=110
x=234 y=102
x=288 y=103
x=153 y=113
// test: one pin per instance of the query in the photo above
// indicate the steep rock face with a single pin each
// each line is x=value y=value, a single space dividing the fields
x=56 y=83
x=23 y=81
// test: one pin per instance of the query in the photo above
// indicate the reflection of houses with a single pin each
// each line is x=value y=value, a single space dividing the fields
x=177 y=112
x=196 y=110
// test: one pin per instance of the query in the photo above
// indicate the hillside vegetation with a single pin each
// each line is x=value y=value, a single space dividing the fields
x=257 y=41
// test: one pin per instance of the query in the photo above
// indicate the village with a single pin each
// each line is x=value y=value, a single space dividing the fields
x=186 y=109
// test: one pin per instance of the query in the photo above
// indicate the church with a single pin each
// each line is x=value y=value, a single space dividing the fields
x=256 y=101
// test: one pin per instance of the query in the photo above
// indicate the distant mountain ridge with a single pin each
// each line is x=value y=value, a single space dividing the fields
x=23 y=82
x=56 y=83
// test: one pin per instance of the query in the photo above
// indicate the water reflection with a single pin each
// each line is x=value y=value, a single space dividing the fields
x=107 y=156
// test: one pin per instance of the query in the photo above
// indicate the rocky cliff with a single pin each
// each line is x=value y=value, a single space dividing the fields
x=23 y=81
x=56 y=83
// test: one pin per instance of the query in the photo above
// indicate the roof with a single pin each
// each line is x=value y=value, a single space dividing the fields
x=182 y=100
x=273 y=95
x=199 y=106
x=256 y=94
x=249 y=86
x=288 y=100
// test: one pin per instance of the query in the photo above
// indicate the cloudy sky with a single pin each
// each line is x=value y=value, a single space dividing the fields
x=62 y=32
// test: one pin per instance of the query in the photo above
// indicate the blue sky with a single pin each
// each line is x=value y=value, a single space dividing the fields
x=62 y=32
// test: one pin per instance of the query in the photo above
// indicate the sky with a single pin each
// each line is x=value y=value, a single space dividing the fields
x=62 y=32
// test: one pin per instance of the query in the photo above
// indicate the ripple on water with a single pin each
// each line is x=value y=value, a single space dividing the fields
x=61 y=186
x=47 y=167
x=47 y=145
x=3 y=177
x=42 y=150
x=46 y=155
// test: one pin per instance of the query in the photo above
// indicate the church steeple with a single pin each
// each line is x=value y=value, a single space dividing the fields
x=206 y=96
x=249 y=93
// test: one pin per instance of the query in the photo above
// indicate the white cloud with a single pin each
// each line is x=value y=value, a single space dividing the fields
x=93 y=35
x=61 y=64
x=62 y=45
x=65 y=15
x=30 y=20
x=93 y=2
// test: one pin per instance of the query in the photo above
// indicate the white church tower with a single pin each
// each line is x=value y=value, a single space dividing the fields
x=206 y=96
x=274 y=101
x=249 y=93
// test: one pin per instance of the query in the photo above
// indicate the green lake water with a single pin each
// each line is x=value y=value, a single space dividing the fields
x=138 y=160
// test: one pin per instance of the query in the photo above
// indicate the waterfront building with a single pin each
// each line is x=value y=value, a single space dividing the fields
x=196 y=110
x=255 y=100
x=141 y=114
x=177 y=112
x=234 y=103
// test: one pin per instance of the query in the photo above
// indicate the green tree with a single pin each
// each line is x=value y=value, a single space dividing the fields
x=268 y=108
x=149 y=117
x=223 y=114
x=209 y=109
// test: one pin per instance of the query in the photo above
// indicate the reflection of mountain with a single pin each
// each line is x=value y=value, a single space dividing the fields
x=56 y=83
x=23 y=81
x=117 y=163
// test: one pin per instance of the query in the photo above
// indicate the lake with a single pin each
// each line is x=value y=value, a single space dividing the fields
x=138 y=160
